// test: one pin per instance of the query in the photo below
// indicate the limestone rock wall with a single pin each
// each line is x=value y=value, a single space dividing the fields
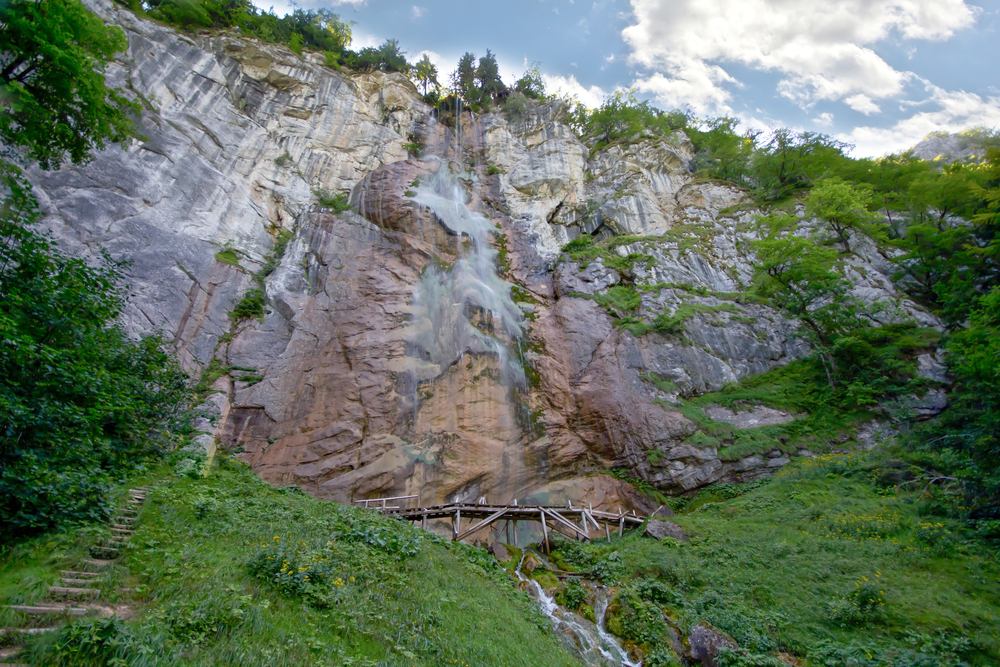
x=324 y=392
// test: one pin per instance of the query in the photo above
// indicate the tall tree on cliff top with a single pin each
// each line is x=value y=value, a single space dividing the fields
x=488 y=76
x=53 y=99
x=426 y=72
x=463 y=79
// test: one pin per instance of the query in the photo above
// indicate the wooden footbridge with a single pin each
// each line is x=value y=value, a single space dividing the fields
x=574 y=522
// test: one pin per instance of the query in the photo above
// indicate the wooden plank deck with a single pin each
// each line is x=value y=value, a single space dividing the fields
x=575 y=522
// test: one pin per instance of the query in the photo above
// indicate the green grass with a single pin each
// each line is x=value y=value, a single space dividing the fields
x=228 y=256
x=204 y=592
x=776 y=566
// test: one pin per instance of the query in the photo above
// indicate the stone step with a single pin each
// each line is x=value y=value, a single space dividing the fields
x=78 y=582
x=122 y=531
x=59 y=591
x=107 y=551
x=121 y=526
x=9 y=652
x=73 y=574
x=42 y=609
x=99 y=563
x=5 y=632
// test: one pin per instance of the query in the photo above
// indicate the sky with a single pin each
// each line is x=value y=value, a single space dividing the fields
x=878 y=74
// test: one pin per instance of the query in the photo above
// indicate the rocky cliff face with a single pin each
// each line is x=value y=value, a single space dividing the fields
x=343 y=394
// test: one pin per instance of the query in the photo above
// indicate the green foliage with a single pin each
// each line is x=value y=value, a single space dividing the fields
x=338 y=201
x=572 y=595
x=252 y=304
x=964 y=443
x=620 y=299
x=426 y=73
x=478 y=84
x=776 y=567
x=314 y=29
x=80 y=399
x=862 y=604
x=379 y=591
x=53 y=98
x=386 y=58
x=844 y=208
x=530 y=84
x=634 y=619
x=623 y=118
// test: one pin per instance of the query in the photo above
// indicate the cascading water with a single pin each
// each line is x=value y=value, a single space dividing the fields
x=591 y=642
x=450 y=301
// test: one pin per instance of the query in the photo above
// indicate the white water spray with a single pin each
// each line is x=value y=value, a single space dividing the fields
x=591 y=642
x=449 y=299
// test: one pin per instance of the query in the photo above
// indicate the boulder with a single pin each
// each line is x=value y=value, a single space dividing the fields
x=661 y=529
x=499 y=552
x=705 y=641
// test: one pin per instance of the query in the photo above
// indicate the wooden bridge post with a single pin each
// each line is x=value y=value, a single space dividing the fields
x=545 y=536
x=515 y=535
x=456 y=525
x=621 y=526
x=423 y=522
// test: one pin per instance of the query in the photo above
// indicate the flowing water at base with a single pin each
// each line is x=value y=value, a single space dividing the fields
x=591 y=642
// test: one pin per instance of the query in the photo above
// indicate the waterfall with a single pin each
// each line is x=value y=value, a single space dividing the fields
x=594 y=645
x=450 y=302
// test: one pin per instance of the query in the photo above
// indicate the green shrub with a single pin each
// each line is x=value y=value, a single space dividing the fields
x=251 y=305
x=338 y=201
x=862 y=604
x=572 y=595
x=81 y=400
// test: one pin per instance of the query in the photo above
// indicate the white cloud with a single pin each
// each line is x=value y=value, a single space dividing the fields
x=418 y=11
x=361 y=40
x=821 y=50
x=955 y=111
x=862 y=103
x=697 y=84
x=569 y=86
x=824 y=119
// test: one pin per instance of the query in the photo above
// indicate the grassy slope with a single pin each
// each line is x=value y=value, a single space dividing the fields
x=391 y=594
x=772 y=566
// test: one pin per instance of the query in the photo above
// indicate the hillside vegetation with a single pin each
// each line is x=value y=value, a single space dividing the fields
x=228 y=570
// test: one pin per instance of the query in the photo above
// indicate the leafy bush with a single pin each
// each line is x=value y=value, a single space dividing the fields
x=251 y=305
x=865 y=603
x=633 y=619
x=572 y=595
x=79 y=397
x=338 y=201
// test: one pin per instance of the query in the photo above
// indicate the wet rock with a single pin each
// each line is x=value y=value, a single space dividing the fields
x=705 y=641
x=661 y=529
x=499 y=551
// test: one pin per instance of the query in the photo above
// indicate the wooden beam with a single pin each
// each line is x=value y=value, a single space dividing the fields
x=562 y=520
x=485 y=522
x=545 y=535
x=456 y=525
x=621 y=526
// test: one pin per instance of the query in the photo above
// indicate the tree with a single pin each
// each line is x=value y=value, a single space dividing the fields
x=386 y=58
x=488 y=77
x=531 y=84
x=53 y=98
x=463 y=79
x=791 y=161
x=78 y=398
x=426 y=72
x=844 y=208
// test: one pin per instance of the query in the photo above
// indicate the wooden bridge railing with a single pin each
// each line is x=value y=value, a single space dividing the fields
x=574 y=522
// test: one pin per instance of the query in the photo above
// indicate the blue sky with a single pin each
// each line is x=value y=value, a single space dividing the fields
x=880 y=74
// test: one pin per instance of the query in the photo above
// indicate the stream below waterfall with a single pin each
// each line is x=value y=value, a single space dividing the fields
x=591 y=642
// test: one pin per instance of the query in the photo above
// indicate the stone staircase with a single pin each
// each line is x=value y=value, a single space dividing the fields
x=78 y=589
